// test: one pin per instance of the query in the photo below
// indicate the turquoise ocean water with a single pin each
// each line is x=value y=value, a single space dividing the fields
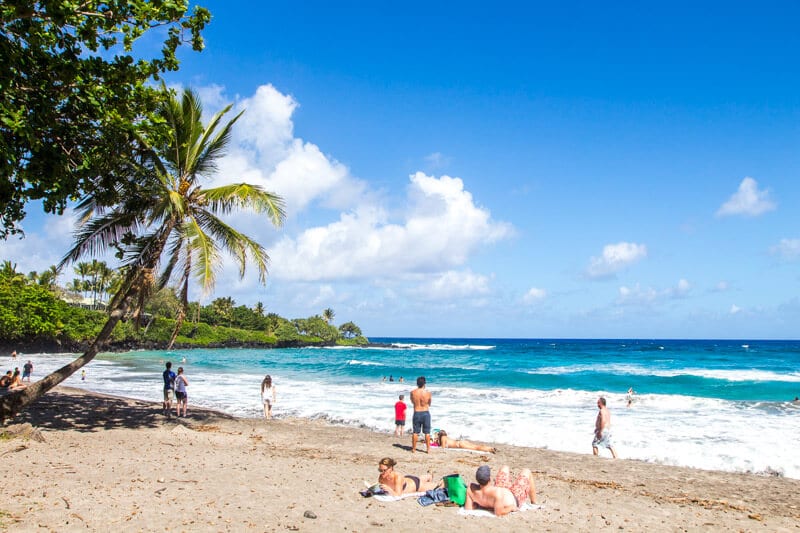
x=724 y=405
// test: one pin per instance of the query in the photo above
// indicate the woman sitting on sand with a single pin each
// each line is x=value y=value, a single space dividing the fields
x=396 y=483
x=446 y=442
x=16 y=381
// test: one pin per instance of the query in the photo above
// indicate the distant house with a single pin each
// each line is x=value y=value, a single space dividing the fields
x=77 y=300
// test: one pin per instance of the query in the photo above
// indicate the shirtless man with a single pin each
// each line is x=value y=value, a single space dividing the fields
x=421 y=398
x=502 y=497
x=602 y=428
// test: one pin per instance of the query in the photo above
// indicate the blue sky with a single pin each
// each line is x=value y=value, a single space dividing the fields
x=511 y=169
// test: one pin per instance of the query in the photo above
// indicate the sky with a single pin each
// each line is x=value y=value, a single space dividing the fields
x=510 y=169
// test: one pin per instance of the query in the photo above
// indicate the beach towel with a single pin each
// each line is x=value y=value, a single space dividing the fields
x=460 y=450
x=484 y=513
x=390 y=498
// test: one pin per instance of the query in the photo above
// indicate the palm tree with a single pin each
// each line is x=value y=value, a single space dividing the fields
x=172 y=216
x=328 y=315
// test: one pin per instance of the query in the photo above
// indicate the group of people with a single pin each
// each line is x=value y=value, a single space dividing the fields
x=505 y=495
x=175 y=384
x=17 y=379
x=421 y=424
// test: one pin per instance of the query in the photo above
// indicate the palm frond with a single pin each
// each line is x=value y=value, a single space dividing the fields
x=226 y=198
x=236 y=243
x=99 y=234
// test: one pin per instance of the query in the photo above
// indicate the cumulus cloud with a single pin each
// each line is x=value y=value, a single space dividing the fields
x=788 y=249
x=735 y=309
x=453 y=285
x=614 y=258
x=41 y=249
x=637 y=295
x=440 y=227
x=534 y=295
x=264 y=151
x=748 y=200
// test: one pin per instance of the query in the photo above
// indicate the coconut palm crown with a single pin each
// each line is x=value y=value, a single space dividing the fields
x=171 y=230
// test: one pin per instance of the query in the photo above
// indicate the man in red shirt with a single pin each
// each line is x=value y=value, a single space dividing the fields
x=399 y=416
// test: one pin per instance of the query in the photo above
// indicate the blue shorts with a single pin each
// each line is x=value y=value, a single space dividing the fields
x=398 y=422
x=422 y=422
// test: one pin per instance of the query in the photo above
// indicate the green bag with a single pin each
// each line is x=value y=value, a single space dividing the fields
x=456 y=488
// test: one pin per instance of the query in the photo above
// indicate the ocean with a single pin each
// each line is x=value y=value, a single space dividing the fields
x=721 y=405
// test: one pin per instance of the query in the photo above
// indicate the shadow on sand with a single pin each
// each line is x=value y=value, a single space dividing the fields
x=90 y=412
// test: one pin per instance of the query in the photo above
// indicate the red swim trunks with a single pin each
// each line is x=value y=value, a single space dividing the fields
x=520 y=488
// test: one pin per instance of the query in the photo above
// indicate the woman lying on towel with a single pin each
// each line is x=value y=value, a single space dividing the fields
x=396 y=483
x=446 y=442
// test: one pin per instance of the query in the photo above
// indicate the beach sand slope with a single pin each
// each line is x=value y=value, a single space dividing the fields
x=89 y=462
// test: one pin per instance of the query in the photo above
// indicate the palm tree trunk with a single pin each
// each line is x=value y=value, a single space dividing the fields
x=16 y=401
x=184 y=304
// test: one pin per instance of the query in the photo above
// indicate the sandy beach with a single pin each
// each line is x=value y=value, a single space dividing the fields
x=78 y=461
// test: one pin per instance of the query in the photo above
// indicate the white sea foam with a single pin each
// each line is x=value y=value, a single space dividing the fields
x=364 y=363
x=669 y=429
x=635 y=370
x=444 y=347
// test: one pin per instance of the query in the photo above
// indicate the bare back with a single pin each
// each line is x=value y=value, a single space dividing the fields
x=421 y=398
x=500 y=500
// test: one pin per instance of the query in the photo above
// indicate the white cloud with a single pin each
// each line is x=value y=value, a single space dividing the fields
x=735 y=309
x=452 y=285
x=437 y=160
x=534 y=295
x=440 y=228
x=788 y=249
x=615 y=257
x=747 y=200
x=681 y=289
x=722 y=286
x=41 y=249
x=637 y=295
x=265 y=152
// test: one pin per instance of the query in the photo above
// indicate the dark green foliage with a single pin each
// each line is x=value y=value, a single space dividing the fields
x=30 y=310
x=349 y=330
x=74 y=94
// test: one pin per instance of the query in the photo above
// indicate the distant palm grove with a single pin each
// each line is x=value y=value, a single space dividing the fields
x=37 y=311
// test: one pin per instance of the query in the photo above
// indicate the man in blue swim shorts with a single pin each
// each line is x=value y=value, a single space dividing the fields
x=421 y=398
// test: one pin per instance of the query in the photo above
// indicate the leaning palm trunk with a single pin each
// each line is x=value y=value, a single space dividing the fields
x=16 y=401
x=131 y=291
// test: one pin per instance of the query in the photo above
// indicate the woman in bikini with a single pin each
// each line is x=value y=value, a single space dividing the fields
x=446 y=442
x=396 y=483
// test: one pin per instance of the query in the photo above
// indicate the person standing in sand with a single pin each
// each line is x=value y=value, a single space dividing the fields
x=400 y=416
x=169 y=387
x=267 y=395
x=602 y=429
x=502 y=497
x=421 y=398
x=180 y=392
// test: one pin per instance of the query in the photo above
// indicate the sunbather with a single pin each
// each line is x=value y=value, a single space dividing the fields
x=446 y=442
x=396 y=483
x=502 y=497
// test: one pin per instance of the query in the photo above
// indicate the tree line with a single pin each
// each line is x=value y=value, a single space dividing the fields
x=34 y=307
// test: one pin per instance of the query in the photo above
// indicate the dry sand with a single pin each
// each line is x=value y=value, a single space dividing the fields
x=100 y=463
